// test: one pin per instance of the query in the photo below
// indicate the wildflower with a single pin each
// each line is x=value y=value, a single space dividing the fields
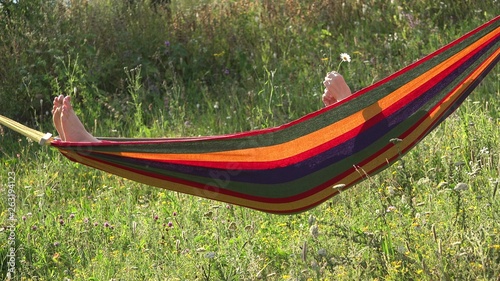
x=413 y=22
x=106 y=224
x=174 y=214
x=423 y=181
x=34 y=227
x=391 y=209
x=56 y=244
x=24 y=218
x=170 y=224
x=216 y=105
x=96 y=224
x=226 y=71
x=155 y=217
x=484 y=150
x=391 y=190
x=86 y=220
x=167 y=43
x=61 y=222
x=72 y=216
x=345 y=57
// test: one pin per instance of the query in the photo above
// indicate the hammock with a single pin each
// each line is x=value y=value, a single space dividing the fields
x=296 y=166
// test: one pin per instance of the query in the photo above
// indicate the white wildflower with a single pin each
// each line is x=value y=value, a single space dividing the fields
x=484 y=150
x=345 y=57
x=391 y=209
x=391 y=190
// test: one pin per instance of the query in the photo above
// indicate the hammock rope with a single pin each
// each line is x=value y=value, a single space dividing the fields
x=34 y=135
x=293 y=167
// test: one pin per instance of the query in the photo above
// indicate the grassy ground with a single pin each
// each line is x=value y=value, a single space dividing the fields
x=202 y=68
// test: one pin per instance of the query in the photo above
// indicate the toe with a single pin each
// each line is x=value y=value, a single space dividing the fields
x=67 y=102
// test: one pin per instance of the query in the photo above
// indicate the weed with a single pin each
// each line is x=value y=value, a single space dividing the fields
x=212 y=67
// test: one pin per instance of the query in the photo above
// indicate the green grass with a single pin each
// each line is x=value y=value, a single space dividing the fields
x=410 y=222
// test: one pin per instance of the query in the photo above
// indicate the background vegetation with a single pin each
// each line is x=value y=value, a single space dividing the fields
x=203 y=67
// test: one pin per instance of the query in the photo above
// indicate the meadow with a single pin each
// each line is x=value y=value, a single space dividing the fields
x=205 y=67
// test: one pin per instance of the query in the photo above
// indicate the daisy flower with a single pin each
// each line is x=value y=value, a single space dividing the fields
x=345 y=57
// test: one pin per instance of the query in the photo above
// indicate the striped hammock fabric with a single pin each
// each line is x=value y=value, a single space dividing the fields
x=295 y=167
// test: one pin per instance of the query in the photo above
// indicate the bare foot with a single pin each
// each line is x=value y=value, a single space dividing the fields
x=56 y=116
x=336 y=88
x=71 y=126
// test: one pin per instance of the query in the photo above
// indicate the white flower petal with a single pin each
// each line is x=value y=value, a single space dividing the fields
x=345 y=57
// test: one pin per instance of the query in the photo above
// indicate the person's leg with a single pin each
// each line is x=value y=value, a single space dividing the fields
x=336 y=88
x=70 y=128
